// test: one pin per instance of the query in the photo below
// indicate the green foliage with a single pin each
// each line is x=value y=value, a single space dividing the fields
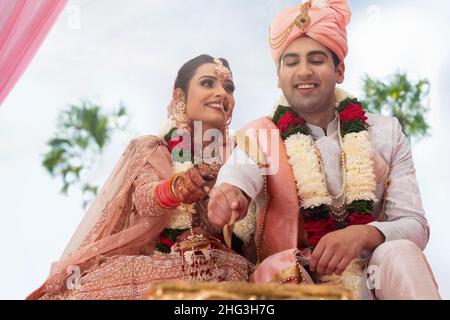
x=361 y=206
x=317 y=213
x=401 y=98
x=82 y=133
x=353 y=126
x=281 y=110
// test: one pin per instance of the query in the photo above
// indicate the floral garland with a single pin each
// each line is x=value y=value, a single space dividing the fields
x=316 y=203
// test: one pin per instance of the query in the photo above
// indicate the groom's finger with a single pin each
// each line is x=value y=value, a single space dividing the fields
x=240 y=206
x=316 y=255
x=332 y=264
x=218 y=208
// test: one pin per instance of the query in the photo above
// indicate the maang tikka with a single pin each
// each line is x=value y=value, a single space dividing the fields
x=221 y=70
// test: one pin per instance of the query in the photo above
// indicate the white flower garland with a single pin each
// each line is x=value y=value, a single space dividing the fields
x=360 y=175
x=311 y=184
x=311 y=181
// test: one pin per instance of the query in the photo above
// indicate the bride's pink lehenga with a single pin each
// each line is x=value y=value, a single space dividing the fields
x=114 y=247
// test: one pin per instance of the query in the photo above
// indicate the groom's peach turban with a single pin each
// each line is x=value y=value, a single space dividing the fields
x=321 y=20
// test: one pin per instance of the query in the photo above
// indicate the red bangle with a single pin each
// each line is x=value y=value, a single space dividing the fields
x=164 y=195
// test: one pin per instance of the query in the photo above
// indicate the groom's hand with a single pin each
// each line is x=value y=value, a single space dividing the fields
x=337 y=249
x=225 y=200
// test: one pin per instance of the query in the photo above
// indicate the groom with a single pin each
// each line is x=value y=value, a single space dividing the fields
x=344 y=184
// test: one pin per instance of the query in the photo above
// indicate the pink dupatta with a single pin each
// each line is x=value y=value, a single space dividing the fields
x=108 y=228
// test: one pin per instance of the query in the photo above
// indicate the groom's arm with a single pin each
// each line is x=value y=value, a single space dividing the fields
x=405 y=216
x=242 y=172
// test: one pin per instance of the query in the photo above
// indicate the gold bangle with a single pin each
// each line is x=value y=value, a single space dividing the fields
x=172 y=186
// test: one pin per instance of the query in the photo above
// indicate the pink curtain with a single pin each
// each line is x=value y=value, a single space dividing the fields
x=24 y=24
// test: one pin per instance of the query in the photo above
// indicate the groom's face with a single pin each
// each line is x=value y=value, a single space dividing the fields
x=308 y=77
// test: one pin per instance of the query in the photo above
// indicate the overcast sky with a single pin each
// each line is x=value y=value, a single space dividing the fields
x=111 y=50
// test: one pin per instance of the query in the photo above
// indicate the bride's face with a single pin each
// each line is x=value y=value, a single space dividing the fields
x=210 y=98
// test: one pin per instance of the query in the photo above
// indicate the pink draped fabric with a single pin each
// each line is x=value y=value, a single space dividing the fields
x=24 y=24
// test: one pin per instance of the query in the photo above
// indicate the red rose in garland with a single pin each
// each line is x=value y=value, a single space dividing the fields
x=316 y=229
x=180 y=143
x=356 y=218
x=174 y=142
x=353 y=112
x=289 y=120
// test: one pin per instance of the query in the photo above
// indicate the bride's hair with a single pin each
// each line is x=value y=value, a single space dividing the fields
x=187 y=71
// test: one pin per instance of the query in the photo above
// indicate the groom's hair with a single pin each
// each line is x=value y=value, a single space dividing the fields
x=336 y=60
x=188 y=70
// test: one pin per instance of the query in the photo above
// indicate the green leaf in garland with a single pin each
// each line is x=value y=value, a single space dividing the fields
x=281 y=110
x=168 y=136
x=354 y=126
x=321 y=212
x=300 y=129
x=361 y=206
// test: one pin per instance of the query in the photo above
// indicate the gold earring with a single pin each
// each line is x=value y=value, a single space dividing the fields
x=179 y=115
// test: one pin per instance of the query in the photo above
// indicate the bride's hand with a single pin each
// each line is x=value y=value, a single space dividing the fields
x=190 y=187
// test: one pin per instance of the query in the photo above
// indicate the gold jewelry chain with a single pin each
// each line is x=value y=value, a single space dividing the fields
x=341 y=195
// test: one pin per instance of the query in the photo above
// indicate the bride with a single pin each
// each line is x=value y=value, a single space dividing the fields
x=149 y=221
